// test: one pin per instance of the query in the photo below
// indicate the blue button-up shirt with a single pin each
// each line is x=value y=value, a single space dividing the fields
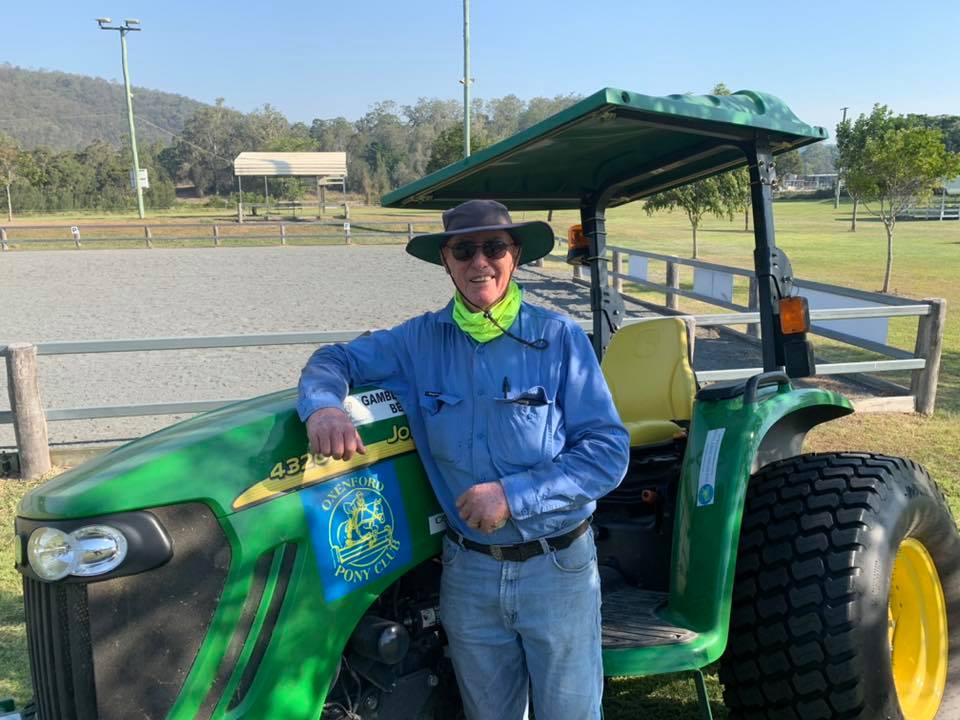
x=542 y=422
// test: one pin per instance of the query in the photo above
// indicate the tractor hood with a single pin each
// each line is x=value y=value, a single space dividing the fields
x=614 y=138
x=211 y=458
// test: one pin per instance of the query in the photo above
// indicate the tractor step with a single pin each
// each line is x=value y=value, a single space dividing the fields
x=630 y=620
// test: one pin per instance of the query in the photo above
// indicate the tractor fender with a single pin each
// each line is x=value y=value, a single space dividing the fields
x=783 y=436
x=729 y=440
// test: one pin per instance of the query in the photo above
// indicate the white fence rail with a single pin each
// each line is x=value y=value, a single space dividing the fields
x=834 y=306
x=344 y=231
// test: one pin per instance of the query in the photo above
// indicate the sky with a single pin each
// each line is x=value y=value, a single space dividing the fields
x=324 y=59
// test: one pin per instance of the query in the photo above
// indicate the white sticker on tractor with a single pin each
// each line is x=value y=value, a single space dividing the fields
x=707 y=486
x=370 y=406
x=437 y=523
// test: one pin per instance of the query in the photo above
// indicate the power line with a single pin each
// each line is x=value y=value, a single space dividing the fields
x=182 y=139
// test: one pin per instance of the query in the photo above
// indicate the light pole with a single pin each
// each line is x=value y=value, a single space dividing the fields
x=466 y=78
x=130 y=25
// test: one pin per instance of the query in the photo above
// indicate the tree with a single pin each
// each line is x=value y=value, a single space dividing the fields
x=720 y=195
x=332 y=135
x=852 y=138
x=949 y=125
x=448 y=147
x=789 y=163
x=540 y=108
x=212 y=138
x=819 y=158
x=899 y=169
x=9 y=161
x=505 y=115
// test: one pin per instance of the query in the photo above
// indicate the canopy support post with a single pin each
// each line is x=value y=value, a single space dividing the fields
x=765 y=254
x=792 y=352
x=593 y=221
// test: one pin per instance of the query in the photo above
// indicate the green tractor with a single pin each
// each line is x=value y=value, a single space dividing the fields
x=216 y=569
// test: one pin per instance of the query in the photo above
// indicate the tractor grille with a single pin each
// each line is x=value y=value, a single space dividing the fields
x=122 y=648
x=61 y=660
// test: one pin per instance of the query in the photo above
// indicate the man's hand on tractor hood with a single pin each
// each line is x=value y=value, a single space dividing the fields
x=332 y=434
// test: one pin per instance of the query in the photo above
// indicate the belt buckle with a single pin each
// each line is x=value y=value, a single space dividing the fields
x=496 y=552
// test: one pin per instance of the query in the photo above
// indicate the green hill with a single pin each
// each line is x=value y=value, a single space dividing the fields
x=68 y=112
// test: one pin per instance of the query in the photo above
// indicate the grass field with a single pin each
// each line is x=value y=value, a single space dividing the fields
x=820 y=246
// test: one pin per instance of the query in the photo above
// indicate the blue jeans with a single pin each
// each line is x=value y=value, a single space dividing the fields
x=526 y=626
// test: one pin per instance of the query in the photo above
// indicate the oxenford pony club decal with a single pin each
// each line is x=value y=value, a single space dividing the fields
x=357 y=528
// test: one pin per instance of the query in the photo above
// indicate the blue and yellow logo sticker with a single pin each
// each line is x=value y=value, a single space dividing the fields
x=358 y=529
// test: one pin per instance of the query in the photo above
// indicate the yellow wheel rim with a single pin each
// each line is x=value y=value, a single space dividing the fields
x=918 y=632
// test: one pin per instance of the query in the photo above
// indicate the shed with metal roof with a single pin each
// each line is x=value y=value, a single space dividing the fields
x=329 y=168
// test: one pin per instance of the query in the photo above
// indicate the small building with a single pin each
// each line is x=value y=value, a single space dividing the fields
x=329 y=169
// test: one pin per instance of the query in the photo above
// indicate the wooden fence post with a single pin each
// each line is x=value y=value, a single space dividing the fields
x=409 y=232
x=283 y=234
x=673 y=281
x=148 y=236
x=753 y=305
x=29 y=422
x=617 y=271
x=346 y=211
x=3 y=239
x=216 y=235
x=923 y=383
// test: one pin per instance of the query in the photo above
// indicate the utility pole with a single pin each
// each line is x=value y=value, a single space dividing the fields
x=466 y=78
x=836 y=198
x=128 y=26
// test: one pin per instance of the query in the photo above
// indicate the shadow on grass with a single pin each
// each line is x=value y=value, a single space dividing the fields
x=948 y=388
x=735 y=231
x=865 y=218
x=666 y=697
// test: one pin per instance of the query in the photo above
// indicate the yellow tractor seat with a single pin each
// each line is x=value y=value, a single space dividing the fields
x=647 y=366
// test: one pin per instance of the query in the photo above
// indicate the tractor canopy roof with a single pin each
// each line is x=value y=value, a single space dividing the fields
x=615 y=143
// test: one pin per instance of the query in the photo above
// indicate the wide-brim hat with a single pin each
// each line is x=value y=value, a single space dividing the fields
x=534 y=237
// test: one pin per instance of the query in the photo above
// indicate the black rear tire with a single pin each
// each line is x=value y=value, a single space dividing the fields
x=809 y=633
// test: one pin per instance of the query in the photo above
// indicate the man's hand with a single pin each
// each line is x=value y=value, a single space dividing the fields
x=331 y=434
x=484 y=507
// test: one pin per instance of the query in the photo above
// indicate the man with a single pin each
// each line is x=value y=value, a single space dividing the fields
x=519 y=436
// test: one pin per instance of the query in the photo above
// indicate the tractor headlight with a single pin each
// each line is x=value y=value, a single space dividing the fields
x=90 y=550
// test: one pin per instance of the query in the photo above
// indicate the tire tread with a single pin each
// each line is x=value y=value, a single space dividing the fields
x=794 y=627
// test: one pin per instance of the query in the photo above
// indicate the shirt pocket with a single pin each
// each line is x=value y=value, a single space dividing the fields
x=518 y=427
x=441 y=418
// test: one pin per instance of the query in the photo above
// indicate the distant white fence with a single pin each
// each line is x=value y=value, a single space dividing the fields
x=215 y=234
x=945 y=207
x=855 y=317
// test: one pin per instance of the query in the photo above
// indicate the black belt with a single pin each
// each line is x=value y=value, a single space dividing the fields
x=522 y=551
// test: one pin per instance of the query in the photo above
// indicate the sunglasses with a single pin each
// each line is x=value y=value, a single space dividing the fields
x=492 y=249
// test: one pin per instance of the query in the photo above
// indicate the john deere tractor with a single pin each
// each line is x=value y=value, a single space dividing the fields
x=217 y=569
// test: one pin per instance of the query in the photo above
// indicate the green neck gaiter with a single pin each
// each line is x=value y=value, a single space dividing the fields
x=477 y=326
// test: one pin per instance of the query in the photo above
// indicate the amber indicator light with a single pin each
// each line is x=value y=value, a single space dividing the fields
x=575 y=237
x=794 y=315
